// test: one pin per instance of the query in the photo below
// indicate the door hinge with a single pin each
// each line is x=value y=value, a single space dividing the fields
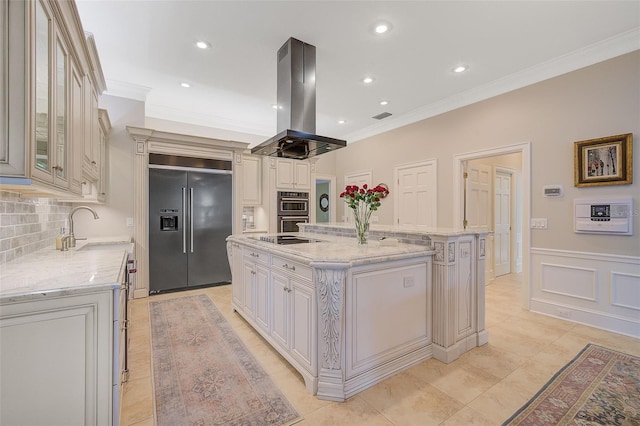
x=124 y=376
x=465 y=223
x=465 y=175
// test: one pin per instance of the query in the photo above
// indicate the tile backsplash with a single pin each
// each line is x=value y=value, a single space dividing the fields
x=28 y=224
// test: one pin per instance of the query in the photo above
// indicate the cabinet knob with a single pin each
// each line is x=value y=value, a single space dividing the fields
x=93 y=162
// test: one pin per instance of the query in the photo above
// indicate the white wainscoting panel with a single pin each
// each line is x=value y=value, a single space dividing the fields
x=597 y=289
x=625 y=290
x=569 y=281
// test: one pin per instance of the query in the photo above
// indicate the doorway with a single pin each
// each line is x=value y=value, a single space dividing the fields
x=519 y=202
x=503 y=192
x=325 y=199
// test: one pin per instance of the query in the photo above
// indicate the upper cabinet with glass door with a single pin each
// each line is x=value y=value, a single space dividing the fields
x=43 y=99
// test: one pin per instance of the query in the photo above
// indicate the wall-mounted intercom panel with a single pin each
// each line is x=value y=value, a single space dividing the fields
x=603 y=216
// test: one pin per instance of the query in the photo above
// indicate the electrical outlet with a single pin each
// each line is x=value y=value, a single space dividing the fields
x=374 y=219
x=408 y=282
x=129 y=221
x=564 y=313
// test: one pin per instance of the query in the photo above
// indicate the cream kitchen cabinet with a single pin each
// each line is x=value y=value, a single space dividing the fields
x=255 y=279
x=234 y=252
x=43 y=102
x=95 y=191
x=294 y=310
x=57 y=357
x=293 y=174
x=251 y=180
x=90 y=148
x=277 y=297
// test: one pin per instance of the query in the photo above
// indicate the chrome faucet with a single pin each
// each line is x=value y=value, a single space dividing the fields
x=72 y=237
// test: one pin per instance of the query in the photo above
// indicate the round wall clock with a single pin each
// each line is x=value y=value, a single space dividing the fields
x=324 y=202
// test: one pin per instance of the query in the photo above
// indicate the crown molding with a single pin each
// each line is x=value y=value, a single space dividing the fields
x=127 y=90
x=598 y=52
x=201 y=119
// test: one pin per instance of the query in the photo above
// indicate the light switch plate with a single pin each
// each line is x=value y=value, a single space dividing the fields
x=539 y=223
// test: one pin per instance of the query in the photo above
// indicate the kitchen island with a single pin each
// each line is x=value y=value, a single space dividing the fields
x=61 y=343
x=348 y=316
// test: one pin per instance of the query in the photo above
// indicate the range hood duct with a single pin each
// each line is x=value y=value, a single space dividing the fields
x=296 y=136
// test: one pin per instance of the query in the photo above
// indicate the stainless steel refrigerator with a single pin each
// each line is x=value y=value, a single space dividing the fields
x=189 y=219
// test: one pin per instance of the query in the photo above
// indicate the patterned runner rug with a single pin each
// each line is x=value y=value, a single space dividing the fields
x=204 y=375
x=599 y=387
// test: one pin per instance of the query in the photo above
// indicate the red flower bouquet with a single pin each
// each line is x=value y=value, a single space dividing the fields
x=363 y=201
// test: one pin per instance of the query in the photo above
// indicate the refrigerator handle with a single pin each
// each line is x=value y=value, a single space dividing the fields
x=191 y=217
x=184 y=216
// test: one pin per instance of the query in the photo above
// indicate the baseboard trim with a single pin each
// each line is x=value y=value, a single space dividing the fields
x=591 y=318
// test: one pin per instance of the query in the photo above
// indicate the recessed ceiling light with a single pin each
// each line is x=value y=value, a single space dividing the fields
x=202 y=44
x=341 y=121
x=186 y=85
x=367 y=80
x=381 y=28
x=460 y=68
x=384 y=102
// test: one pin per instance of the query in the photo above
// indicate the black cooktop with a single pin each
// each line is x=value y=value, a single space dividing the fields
x=288 y=239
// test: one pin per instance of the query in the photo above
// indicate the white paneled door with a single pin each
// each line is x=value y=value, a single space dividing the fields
x=478 y=196
x=502 y=223
x=478 y=207
x=416 y=195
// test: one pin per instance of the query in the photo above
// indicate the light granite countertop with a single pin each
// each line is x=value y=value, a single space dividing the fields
x=443 y=232
x=50 y=272
x=335 y=249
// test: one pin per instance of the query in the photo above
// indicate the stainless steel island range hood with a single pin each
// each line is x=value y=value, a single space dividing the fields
x=296 y=87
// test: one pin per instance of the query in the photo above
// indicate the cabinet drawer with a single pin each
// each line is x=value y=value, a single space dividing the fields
x=292 y=267
x=256 y=255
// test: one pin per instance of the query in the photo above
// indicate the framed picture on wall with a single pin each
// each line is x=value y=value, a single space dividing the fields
x=604 y=161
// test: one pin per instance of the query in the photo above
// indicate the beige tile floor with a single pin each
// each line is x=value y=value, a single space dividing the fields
x=483 y=387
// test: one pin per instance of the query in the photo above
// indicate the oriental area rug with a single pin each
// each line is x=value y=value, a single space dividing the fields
x=599 y=387
x=202 y=372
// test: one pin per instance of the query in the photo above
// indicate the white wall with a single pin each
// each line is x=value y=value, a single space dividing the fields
x=597 y=101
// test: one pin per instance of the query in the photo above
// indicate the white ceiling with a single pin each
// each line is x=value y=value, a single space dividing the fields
x=147 y=49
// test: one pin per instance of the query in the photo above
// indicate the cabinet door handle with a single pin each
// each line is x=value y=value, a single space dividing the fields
x=253 y=272
x=93 y=162
x=255 y=255
x=291 y=268
x=58 y=168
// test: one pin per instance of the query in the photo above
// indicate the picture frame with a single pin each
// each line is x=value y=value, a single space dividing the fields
x=604 y=161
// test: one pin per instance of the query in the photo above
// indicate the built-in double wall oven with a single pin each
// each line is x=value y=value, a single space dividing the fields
x=293 y=208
